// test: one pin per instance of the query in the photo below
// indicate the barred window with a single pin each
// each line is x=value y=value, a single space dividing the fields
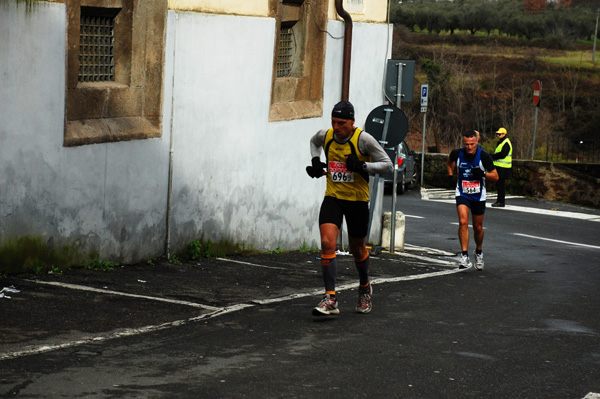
x=285 y=58
x=114 y=77
x=96 y=48
x=298 y=59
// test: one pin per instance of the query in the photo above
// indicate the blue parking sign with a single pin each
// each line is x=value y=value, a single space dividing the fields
x=424 y=94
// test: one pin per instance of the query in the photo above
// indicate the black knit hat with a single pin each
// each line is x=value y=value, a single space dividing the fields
x=343 y=110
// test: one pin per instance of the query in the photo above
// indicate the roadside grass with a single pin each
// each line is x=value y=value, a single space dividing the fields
x=573 y=59
x=201 y=248
x=38 y=255
x=41 y=256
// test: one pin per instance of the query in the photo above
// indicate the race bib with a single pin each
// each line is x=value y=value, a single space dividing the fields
x=339 y=172
x=471 y=187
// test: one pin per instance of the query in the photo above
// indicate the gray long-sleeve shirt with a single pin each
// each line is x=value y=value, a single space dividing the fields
x=380 y=161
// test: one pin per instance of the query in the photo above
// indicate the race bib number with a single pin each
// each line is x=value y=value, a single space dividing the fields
x=471 y=187
x=339 y=172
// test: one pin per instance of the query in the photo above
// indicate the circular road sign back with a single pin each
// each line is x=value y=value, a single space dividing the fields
x=537 y=92
x=397 y=125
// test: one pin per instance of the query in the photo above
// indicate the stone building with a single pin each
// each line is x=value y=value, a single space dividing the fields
x=131 y=127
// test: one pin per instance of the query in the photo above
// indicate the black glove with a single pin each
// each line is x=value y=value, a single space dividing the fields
x=478 y=173
x=353 y=164
x=451 y=182
x=316 y=169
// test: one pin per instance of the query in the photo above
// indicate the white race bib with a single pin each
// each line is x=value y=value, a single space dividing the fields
x=471 y=187
x=339 y=172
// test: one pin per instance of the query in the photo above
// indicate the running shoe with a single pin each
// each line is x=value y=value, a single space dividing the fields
x=465 y=262
x=364 y=300
x=327 y=306
x=479 y=261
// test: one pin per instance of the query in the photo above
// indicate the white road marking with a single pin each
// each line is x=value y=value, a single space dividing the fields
x=414 y=216
x=215 y=312
x=448 y=198
x=558 y=241
x=552 y=212
x=592 y=395
x=128 y=332
x=430 y=260
x=432 y=251
x=352 y=286
x=104 y=291
x=251 y=264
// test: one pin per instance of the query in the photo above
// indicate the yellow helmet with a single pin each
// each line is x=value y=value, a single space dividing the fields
x=502 y=131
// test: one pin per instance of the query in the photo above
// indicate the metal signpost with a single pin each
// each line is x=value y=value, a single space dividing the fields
x=388 y=125
x=424 y=97
x=537 y=93
x=399 y=81
x=595 y=36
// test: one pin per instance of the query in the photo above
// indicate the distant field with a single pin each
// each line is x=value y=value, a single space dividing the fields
x=575 y=59
x=480 y=45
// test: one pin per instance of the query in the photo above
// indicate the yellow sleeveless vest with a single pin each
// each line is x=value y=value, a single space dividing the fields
x=504 y=162
x=341 y=183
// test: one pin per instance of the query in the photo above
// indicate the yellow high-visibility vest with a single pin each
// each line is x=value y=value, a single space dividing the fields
x=505 y=162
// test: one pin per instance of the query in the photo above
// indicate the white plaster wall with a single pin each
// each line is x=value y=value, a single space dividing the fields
x=237 y=176
x=108 y=198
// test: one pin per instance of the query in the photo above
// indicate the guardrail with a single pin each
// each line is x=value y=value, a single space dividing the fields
x=563 y=149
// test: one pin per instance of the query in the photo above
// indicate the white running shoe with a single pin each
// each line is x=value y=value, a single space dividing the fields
x=364 y=301
x=327 y=306
x=478 y=261
x=465 y=262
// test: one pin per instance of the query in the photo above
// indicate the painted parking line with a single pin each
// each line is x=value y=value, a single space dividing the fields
x=121 y=333
x=215 y=312
x=430 y=251
x=558 y=241
x=352 y=286
x=251 y=264
x=110 y=292
x=439 y=262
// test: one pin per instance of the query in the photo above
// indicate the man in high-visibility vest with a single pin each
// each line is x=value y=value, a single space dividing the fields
x=502 y=157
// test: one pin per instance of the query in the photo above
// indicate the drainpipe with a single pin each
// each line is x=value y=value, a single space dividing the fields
x=339 y=7
x=171 y=145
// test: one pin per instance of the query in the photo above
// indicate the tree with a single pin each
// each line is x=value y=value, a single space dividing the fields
x=534 y=6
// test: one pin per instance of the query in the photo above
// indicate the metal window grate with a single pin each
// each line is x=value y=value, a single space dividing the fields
x=285 y=58
x=96 y=49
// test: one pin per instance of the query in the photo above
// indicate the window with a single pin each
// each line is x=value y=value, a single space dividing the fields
x=286 y=50
x=96 y=48
x=297 y=90
x=114 y=77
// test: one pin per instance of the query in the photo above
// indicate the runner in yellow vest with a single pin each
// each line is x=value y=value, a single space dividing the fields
x=350 y=156
x=503 y=161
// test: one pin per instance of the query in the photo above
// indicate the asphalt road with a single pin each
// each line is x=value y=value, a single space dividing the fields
x=525 y=327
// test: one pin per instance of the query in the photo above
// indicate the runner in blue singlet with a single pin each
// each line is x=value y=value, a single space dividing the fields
x=472 y=166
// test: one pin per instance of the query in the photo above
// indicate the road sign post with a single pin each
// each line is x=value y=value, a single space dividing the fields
x=389 y=126
x=424 y=97
x=537 y=94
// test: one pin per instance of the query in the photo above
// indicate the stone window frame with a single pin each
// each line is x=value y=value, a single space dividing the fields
x=130 y=107
x=300 y=95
